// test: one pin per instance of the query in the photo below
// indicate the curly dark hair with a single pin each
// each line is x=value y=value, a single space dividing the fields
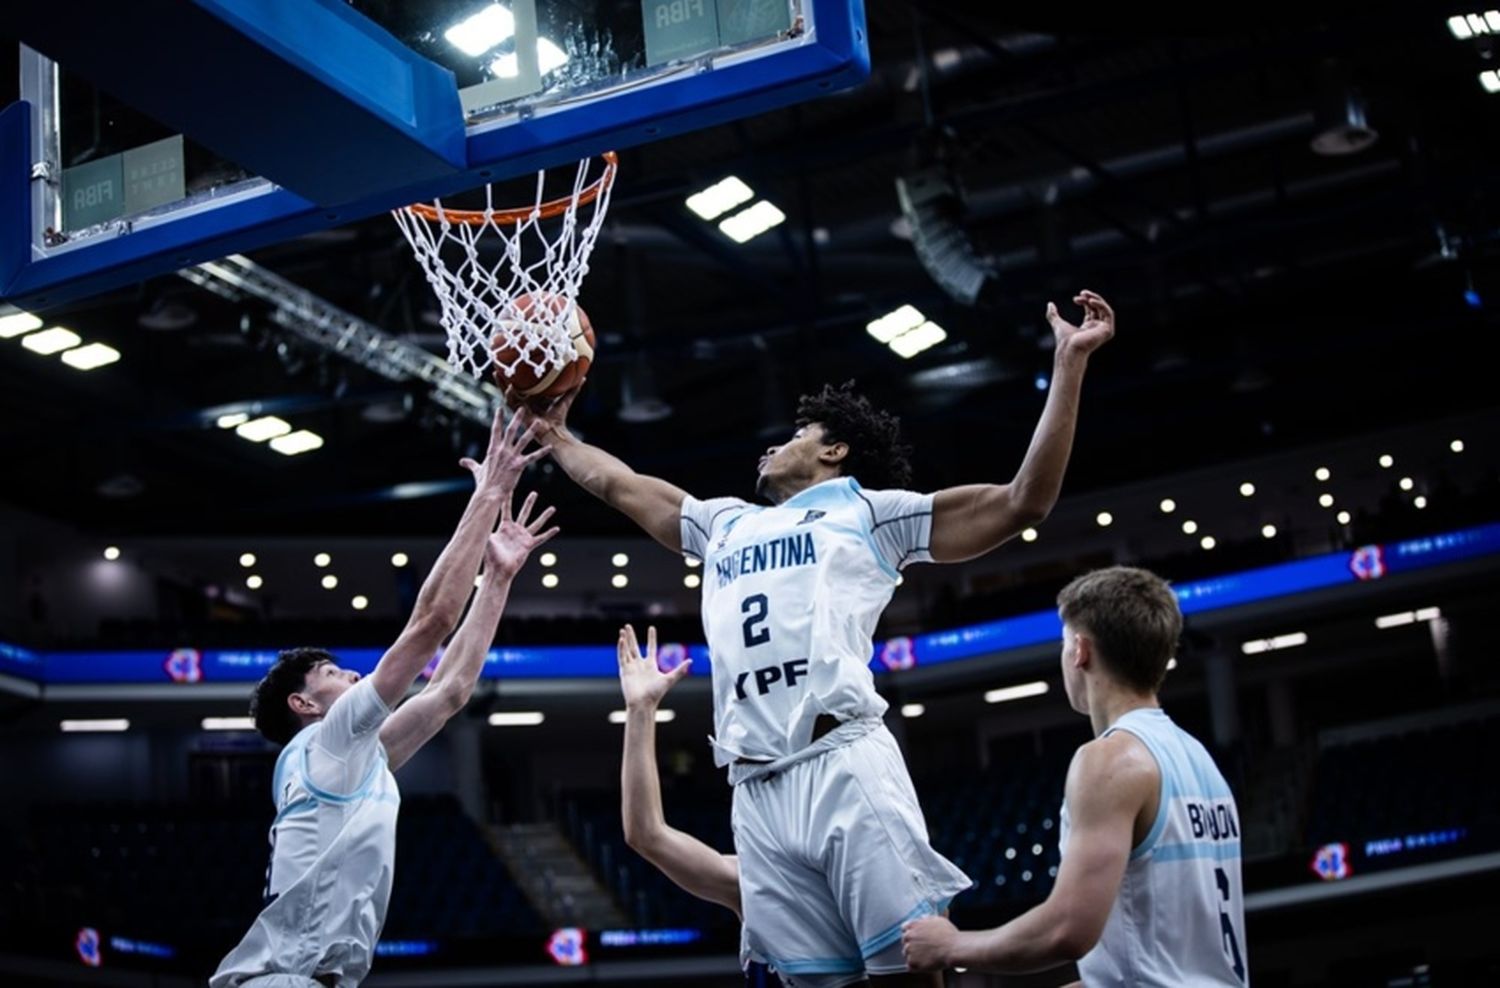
x=877 y=458
x=273 y=718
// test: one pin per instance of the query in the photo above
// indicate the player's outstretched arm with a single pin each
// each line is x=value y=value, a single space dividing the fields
x=449 y=689
x=440 y=602
x=650 y=502
x=971 y=520
x=692 y=864
x=1109 y=783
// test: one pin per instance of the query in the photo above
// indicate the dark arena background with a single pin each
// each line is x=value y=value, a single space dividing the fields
x=1293 y=210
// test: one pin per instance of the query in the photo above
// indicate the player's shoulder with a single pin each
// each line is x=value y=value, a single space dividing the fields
x=1118 y=764
x=887 y=502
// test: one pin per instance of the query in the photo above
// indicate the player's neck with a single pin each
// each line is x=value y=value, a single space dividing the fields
x=1109 y=702
x=798 y=486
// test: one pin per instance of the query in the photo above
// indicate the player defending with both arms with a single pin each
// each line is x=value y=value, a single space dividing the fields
x=833 y=853
x=333 y=842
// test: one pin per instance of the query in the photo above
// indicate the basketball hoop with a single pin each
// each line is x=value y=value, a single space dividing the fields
x=543 y=253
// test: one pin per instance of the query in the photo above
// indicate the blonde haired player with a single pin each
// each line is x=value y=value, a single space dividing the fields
x=833 y=853
x=1149 y=893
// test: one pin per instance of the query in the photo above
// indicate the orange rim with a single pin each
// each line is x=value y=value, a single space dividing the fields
x=547 y=210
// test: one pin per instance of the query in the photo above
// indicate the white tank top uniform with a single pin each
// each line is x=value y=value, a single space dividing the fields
x=833 y=851
x=1180 y=916
x=333 y=854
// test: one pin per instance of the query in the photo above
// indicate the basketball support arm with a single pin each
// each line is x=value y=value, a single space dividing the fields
x=652 y=503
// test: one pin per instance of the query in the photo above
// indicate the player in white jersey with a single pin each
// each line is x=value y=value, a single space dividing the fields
x=833 y=851
x=333 y=842
x=1149 y=892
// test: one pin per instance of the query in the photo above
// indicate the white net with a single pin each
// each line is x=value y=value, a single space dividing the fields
x=508 y=279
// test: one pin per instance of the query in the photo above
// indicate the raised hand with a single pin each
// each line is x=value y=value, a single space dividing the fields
x=505 y=458
x=548 y=416
x=1097 y=328
x=515 y=538
x=641 y=680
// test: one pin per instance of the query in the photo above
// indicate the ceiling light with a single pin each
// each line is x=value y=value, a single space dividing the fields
x=517 y=718
x=253 y=581
x=549 y=580
x=360 y=602
x=261 y=429
x=1387 y=461
x=914 y=341
x=662 y=716
x=111 y=552
x=480 y=32
x=1168 y=506
x=229 y=723
x=330 y=581
x=247 y=559
x=100 y=724
x=1268 y=531
x=1016 y=692
x=301 y=441
x=619 y=581
x=912 y=710
x=1322 y=473
x=1326 y=500
x=1028 y=535
x=693 y=562
x=88 y=357
x=893 y=324
x=1208 y=542
x=50 y=341
x=231 y=420
x=1189 y=527
x=719 y=198
x=750 y=223
x=1273 y=644
x=1490 y=80
x=1407 y=483
x=1396 y=620
x=399 y=559
x=17 y=323
x=1428 y=614
x=1171 y=664
x=692 y=581
x=619 y=559
x=1345 y=517
x=1247 y=489
x=322 y=559
x=548 y=559
x=1457 y=445
x=1105 y=519
x=1419 y=502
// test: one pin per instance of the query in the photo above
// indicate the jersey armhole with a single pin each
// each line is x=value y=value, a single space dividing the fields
x=1164 y=798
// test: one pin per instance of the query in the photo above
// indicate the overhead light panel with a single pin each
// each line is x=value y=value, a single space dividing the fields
x=720 y=198
x=261 y=429
x=1016 y=692
x=111 y=552
x=913 y=342
x=18 y=323
x=517 y=718
x=106 y=724
x=1274 y=644
x=750 y=223
x=231 y=420
x=399 y=559
x=912 y=710
x=89 y=357
x=50 y=341
x=229 y=723
x=1028 y=535
x=1490 y=80
x=480 y=32
x=662 y=716
x=894 y=323
x=301 y=441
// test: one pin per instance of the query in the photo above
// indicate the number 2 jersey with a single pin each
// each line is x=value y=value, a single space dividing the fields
x=791 y=596
x=1179 y=918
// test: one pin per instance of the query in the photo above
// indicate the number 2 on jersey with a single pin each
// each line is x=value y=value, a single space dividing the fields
x=756 y=607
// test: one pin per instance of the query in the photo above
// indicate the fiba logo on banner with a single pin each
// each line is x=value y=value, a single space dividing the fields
x=566 y=947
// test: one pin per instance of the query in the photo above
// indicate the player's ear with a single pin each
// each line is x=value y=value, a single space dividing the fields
x=834 y=453
x=300 y=704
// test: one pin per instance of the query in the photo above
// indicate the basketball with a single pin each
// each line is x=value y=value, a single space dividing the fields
x=541 y=308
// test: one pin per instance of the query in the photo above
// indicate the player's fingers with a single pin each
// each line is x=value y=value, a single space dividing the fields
x=469 y=465
x=526 y=507
x=540 y=520
x=620 y=654
x=679 y=672
x=635 y=647
x=651 y=641
x=535 y=455
x=546 y=536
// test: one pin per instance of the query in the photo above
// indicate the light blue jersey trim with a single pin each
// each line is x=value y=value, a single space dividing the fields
x=891 y=934
x=826 y=965
x=293 y=808
x=1164 y=800
x=281 y=760
x=827 y=493
x=1220 y=851
x=331 y=797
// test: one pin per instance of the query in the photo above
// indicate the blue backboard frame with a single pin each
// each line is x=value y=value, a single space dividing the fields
x=831 y=53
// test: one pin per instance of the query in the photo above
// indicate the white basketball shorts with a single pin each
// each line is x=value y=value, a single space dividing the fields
x=834 y=858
